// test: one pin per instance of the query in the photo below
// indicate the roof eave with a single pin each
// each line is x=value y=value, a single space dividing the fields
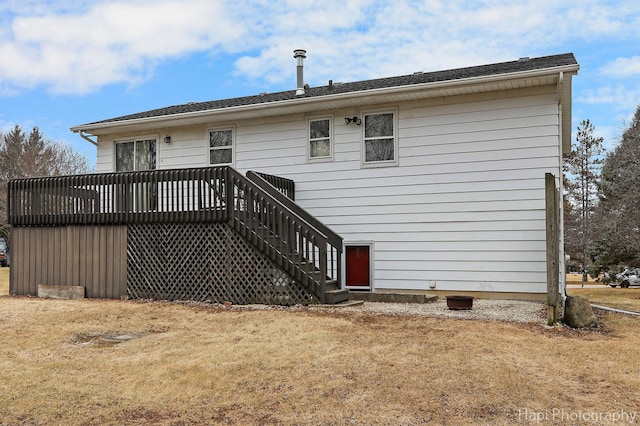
x=290 y=106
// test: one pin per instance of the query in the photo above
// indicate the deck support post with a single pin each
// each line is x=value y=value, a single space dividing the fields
x=553 y=252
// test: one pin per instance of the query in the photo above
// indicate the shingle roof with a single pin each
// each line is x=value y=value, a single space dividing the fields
x=521 y=65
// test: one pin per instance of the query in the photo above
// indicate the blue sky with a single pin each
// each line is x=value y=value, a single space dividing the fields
x=70 y=62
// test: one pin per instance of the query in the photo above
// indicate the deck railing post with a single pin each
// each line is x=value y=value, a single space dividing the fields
x=229 y=189
x=322 y=265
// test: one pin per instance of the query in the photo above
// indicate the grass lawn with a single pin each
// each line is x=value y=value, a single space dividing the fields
x=621 y=298
x=191 y=364
x=4 y=281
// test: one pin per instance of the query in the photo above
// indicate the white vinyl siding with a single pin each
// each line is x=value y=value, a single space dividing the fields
x=464 y=207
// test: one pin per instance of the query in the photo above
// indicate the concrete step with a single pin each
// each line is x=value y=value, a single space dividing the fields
x=332 y=285
x=392 y=297
x=336 y=296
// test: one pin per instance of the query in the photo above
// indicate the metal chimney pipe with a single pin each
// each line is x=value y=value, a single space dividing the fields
x=300 y=54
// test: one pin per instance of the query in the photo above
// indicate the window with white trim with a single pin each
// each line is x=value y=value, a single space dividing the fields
x=136 y=155
x=221 y=146
x=320 y=139
x=380 y=139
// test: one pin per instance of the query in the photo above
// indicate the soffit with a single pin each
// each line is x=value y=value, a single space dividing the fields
x=323 y=103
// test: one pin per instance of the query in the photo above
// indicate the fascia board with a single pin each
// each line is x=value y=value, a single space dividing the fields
x=314 y=103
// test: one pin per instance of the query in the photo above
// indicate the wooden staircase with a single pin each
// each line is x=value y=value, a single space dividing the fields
x=296 y=241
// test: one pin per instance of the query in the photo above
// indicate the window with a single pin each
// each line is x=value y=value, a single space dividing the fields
x=320 y=139
x=380 y=141
x=136 y=155
x=221 y=146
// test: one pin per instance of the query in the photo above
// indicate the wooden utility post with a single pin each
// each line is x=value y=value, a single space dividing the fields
x=553 y=240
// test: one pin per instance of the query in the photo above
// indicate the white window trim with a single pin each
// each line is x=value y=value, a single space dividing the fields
x=388 y=163
x=372 y=262
x=328 y=158
x=233 y=144
x=156 y=137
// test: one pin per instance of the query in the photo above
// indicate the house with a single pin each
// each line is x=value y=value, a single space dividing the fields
x=433 y=182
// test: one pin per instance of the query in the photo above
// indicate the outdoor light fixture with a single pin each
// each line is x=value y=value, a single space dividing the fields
x=167 y=139
x=355 y=120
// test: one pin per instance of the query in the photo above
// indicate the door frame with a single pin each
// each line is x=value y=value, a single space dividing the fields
x=371 y=245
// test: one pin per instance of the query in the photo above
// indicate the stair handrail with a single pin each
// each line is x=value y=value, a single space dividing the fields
x=242 y=194
x=332 y=237
x=301 y=249
x=285 y=186
x=334 y=240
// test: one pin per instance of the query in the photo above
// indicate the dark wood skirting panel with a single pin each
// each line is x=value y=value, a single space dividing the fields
x=207 y=262
x=89 y=256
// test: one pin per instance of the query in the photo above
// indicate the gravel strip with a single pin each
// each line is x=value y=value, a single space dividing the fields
x=483 y=309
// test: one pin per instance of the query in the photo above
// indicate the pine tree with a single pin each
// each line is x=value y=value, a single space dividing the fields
x=582 y=170
x=618 y=213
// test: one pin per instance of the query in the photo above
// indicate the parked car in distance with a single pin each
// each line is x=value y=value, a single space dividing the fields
x=627 y=278
x=4 y=257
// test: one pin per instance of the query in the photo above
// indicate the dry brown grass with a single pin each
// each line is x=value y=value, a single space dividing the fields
x=207 y=365
x=4 y=281
x=577 y=279
x=621 y=298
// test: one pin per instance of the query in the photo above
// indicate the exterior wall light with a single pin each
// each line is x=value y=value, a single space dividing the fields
x=167 y=139
x=356 y=120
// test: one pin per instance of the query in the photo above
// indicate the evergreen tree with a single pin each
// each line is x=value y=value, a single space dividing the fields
x=618 y=213
x=581 y=171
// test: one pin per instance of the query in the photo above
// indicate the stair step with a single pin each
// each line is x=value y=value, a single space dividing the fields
x=332 y=285
x=336 y=296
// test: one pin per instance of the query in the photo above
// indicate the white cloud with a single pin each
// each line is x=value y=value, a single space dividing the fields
x=368 y=39
x=111 y=42
x=78 y=46
x=610 y=135
x=621 y=96
x=610 y=108
x=623 y=67
x=8 y=126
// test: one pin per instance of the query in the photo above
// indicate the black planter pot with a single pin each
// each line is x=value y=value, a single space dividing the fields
x=459 y=303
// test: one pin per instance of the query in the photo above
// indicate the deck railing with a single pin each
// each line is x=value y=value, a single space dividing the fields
x=333 y=240
x=266 y=218
x=283 y=185
x=257 y=208
x=185 y=195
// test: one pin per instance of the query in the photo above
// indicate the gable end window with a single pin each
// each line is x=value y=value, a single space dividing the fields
x=320 y=139
x=221 y=146
x=380 y=139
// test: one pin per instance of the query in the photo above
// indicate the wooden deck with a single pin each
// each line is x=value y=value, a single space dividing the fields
x=191 y=234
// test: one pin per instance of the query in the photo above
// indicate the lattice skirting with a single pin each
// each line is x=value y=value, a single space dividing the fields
x=206 y=262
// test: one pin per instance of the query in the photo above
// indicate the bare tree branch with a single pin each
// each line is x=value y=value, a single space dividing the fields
x=24 y=156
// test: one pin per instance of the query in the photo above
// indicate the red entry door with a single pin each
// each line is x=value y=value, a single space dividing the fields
x=358 y=268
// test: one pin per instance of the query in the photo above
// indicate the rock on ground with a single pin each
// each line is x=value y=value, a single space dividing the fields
x=578 y=313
